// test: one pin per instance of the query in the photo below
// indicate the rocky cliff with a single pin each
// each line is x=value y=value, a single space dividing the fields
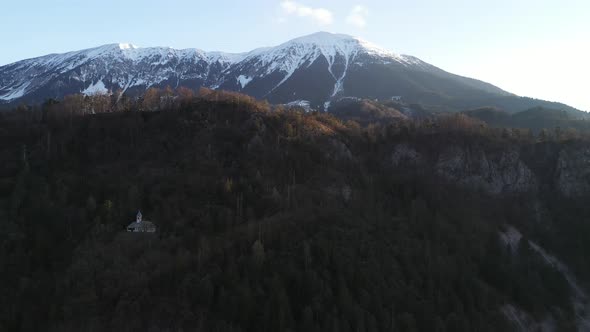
x=572 y=172
x=566 y=170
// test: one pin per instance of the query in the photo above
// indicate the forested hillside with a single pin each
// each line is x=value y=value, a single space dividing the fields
x=550 y=121
x=273 y=219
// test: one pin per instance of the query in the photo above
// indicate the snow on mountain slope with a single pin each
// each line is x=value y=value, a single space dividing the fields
x=331 y=45
x=304 y=51
x=319 y=68
x=116 y=66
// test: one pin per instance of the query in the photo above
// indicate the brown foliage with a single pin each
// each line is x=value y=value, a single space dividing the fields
x=151 y=99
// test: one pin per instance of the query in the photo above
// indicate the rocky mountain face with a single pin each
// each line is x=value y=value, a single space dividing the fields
x=107 y=69
x=493 y=172
x=508 y=170
x=317 y=70
x=573 y=172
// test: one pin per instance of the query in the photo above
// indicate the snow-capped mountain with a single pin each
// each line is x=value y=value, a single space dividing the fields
x=109 y=68
x=313 y=67
x=318 y=69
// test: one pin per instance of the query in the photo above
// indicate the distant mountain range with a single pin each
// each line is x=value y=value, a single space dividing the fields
x=317 y=70
x=536 y=119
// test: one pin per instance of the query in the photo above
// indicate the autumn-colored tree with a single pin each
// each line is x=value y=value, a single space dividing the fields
x=151 y=99
x=184 y=94
x=167 y=98
x=570 y=134
x=74 y=105
x=100 y=103
x=459 y=122
x=204 y=91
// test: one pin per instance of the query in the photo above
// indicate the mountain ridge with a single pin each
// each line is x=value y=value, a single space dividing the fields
x=319 y=68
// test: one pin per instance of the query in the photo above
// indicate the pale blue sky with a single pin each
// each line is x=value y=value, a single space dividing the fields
x=537 y=48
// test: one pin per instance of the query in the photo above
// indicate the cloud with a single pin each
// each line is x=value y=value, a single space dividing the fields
x=320 y=15
x=358 y=16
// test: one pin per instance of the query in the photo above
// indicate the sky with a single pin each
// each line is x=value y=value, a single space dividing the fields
x=535 y=48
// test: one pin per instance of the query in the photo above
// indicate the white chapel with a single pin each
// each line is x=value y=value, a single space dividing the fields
x=140 y=225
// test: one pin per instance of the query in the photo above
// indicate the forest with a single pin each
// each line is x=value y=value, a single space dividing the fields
x=268 y=218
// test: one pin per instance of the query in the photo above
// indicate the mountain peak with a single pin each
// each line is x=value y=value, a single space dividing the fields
x=343 y=42
x=328 y=39
x=112 y=47
x=323 y=37
x=127 y=46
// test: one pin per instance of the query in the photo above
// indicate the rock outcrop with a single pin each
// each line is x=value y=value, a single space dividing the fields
x=404 y=154
x=495 y=173
x=572 y=172
x=564 y=169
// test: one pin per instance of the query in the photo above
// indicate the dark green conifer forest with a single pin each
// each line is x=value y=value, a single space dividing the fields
x=268 y=219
